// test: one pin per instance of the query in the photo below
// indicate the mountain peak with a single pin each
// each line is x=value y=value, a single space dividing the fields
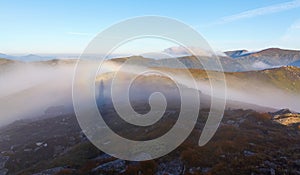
x=281 y=112
x=272 y=50
x=278 y=50
x=236 y=53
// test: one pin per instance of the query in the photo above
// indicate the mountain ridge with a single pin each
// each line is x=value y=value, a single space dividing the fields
x=270 y=56
x=232 y=61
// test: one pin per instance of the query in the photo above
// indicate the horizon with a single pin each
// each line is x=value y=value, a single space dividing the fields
x=120 y=55
x=59 y=27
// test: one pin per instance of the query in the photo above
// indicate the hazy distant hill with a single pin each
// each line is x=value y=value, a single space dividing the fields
x=4 y=61
x=55 y=62
x=228 y=64
x=232 y=61
x=286 y=78
x=235 y=61
x=27 y=58
x=32 y=57
x=266 y=58
x=6 y=56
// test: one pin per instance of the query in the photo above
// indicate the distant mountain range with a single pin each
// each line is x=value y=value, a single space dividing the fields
x=268 y=58
x=27 y=58
x=232 y=61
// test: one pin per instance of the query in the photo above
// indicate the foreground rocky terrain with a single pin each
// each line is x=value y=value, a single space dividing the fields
x=247 y=142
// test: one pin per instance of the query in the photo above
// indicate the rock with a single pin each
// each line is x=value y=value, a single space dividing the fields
x=3 y=160
x=283 y=159
x=297 y=162
x=102 y=157
x=252 y=144
x=194 y=170
x=174 y=167
x=264 y=170
x=241 y=121
x=116 y=165
x=51 y=171
x=230 y=122
x=272 y=171
x=12 y=148
x=206 y=170
x=3 y=171
x=27 y=150
x=280 y=112
x=39 y=143
x=270 y=164
x=236 y=125
x=248 y=153
x=58 y=150
x=287 y=119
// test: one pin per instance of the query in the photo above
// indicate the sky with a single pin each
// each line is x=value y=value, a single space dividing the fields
x=51 y=27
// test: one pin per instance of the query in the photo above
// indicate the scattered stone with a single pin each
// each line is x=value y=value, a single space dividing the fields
x=230 y=122
x=12 y=148
x=241 y=121
x=39 y=143
x=103 y=157
x=270 y=164
x=58 y=149
x=280 y=112
x=27 y=150
x=3 y=171
x=236 y=125
x=248 y=153
x=174 y=167
x=285 y=117
x=252 y=144
x=283 y=159
x=297 y=162
x=3 y=160
x=272 y=171
x=116 y=165
x=51 y=171
x=206 y=170
x=194 y=170
x=264 y=170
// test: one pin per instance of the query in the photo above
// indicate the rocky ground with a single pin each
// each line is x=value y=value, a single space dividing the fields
x=247 y=142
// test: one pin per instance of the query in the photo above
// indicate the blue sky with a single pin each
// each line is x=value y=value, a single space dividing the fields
x=55 y=26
